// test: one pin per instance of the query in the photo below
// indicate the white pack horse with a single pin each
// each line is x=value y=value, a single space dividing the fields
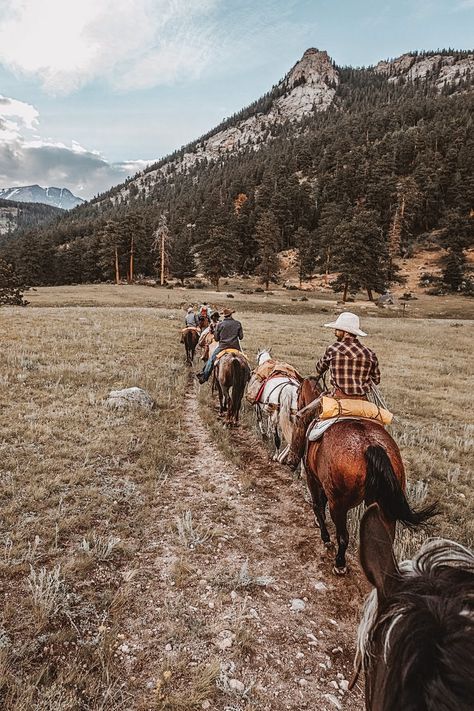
x=277 y=408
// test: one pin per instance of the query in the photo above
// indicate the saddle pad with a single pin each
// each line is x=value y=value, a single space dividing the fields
x=318 y=427
x=230 y=351
x=191 y=328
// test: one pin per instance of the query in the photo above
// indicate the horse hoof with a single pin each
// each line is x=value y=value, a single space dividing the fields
x=340 y=571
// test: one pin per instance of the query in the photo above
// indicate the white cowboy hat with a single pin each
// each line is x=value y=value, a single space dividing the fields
x=348 y=322
x=190 y=308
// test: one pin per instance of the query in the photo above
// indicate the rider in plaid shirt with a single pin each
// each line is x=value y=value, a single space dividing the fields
x=353 y=367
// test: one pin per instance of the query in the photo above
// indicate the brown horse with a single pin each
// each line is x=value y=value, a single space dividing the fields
x=231 y=375
x=416 y=637
x=356 y=461
x=190 y=340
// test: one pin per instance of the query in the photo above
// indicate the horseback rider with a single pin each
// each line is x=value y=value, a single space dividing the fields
x=353 y=370
x=353 y=367
x=204 y=314
x=215 y=318
x=228 y=333
x=191 y=319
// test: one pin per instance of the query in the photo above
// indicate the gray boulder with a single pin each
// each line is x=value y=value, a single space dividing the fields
x=130 y=397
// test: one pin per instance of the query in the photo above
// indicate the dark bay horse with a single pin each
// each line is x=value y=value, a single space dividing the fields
x=356 y=461
x=231 y=375
x=190 y=340
x=416 y=637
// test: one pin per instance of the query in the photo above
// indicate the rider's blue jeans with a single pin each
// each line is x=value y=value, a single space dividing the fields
x=206 y=373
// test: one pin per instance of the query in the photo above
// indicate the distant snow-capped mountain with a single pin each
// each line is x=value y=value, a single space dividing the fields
x=57 y=197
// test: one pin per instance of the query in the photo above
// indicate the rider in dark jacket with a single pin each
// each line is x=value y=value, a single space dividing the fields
x=228 y=334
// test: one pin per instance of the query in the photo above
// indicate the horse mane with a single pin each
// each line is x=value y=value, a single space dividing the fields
x=425 y=630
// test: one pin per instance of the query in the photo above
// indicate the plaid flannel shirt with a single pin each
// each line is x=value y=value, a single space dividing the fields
x=353 y=367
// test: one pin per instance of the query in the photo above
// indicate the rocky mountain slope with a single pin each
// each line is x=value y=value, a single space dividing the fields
x=56 y=197
x=309 y=87
x=444 y=69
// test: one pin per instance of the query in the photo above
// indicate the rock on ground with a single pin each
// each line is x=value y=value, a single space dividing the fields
x=130 y=397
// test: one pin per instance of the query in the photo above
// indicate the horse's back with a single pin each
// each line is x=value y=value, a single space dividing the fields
x=274 y=388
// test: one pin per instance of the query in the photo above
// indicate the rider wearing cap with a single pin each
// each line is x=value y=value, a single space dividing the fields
x=353 y=370
x=228 y=333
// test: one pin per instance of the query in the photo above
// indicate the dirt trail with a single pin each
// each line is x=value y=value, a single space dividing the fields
x=208 y=628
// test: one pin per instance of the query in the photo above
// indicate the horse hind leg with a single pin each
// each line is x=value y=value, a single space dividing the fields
x=339 y=516
x=318 y=498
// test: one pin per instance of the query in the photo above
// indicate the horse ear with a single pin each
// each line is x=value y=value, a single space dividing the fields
x=376 y=552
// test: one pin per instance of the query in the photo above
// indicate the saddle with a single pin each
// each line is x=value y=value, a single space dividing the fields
x=334 y=410
x=230 y=351
x=270 y=369
x=190 y=328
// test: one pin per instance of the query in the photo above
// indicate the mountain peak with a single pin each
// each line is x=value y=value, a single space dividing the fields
x=57 y=197
x=315 y=67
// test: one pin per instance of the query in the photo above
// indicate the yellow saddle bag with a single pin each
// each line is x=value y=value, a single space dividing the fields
x=346 y=407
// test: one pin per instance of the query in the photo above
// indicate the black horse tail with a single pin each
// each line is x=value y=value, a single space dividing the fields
x=383 y=487
x=239 y=381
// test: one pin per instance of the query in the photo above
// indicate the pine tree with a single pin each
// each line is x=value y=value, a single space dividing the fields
x=11 y=287
x=266 y=234
x=305 y=244
x=453 y=272
x=181 y=257
x=362 y=255
x=216 y=254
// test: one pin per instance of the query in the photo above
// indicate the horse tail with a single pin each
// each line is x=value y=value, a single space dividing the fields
x=239 y=380
x=383 y=487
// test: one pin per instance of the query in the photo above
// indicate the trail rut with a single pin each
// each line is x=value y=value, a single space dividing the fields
x=234 y=602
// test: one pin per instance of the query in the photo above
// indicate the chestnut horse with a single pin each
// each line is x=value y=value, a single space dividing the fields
x=416 y=637
x=355 y=461
x=190 y=340
x=231 y=375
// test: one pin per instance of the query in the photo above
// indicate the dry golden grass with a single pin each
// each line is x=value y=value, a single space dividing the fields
x=277 y=300
x=78 y=483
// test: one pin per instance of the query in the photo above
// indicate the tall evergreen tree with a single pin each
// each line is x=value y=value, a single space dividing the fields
x=181 y=256
x=362 y=255
x=266 y=234
x=305 y=244
x=217 y=254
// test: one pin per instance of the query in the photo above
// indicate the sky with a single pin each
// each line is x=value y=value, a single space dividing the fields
x=93 y=90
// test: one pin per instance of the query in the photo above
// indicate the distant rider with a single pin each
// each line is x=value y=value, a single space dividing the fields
x=205 y=312
x=228 y=333
x=353 y=370
x=191 y=318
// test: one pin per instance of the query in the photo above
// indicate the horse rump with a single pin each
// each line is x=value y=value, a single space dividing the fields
x=383 y=487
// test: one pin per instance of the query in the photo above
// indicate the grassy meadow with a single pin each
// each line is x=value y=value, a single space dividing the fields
x=79 y=483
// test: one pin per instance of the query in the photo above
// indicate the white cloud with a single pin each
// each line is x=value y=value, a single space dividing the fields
x=127 y=42
x=27 y=158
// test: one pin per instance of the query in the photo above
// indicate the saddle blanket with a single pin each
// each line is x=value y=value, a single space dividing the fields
x=230 y=351
x=319 y=427
x=191 y=328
